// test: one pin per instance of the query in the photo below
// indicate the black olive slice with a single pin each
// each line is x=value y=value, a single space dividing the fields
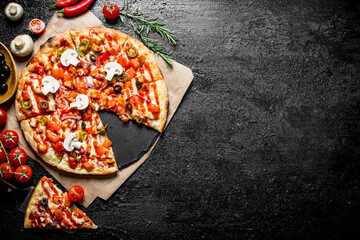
x=128 y=106
x=44 y=201
x=44 y=105
x=83 y=125
x=138 y=84
x=93 y=58
x=117 y=89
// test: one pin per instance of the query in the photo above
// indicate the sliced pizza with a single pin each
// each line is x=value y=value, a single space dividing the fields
x=72 y=141
x=50 y=208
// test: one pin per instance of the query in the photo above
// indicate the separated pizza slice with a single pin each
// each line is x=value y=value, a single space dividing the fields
x=41 y=79
x=50 y=208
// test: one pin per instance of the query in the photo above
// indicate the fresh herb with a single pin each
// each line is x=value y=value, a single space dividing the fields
x=152 y=44
x=143 y=25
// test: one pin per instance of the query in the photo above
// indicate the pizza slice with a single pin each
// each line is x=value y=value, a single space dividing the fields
x=73 y=141
x=50 y=208
x=44 y=78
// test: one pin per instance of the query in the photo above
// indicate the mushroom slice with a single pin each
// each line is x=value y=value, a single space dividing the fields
x=81 y=102
x=112 y=68
x=69 y=57
x=50 y=84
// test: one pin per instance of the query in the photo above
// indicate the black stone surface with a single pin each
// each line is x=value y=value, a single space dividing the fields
x=265 y=144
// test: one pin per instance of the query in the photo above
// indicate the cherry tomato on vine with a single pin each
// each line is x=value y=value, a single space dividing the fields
x=76 y=193
x=3 y=153
x=17 y=157
x=111 y=11
x=3 y=116
x=4 y=170
x=36 y=26
x=9 y=138
x=26 y=173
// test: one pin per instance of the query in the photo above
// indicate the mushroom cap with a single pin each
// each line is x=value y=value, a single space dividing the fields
x=22 y=45
x=14 y=11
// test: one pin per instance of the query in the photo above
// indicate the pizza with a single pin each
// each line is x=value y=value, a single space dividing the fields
x=49 y=207
x=73 y=76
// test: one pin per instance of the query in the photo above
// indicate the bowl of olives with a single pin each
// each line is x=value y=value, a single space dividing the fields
x=9 y=78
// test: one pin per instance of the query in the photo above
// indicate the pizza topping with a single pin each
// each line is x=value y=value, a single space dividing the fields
x=112 y=68
x=44 y=202
x=138 y=84
x=117 y=89
x=50 y=84
x=84 y=47
x=44 y=105
x=43 y=120
x=132 y=52
x=71 y=142
x=82 y=135
x=81 y=102
x=26 y=104
x=69 y=57
x=128 y=106
x=93 y=57
x=83 y=125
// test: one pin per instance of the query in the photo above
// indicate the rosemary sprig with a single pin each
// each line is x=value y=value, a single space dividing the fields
x=152 y=44
x=144 y=25
x=149 y=24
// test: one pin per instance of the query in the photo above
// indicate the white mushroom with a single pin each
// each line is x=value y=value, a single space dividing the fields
x=71 y=142
x=69 y=57
x=81 y=102
x=112 y=68
x=22 y=45
x=14 y=11
x=50 y=84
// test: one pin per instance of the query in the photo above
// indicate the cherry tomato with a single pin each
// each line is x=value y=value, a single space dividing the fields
x=76 y=193
x=26 y=173
x=9 y=138
x=2 y=155
x=17 y=157
x=3 y=116
x=111 y=11
x=37 y=26
x=4 y=170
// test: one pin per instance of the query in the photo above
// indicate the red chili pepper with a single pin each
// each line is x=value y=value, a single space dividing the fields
x=64 y=3
x=77 y=9
x=104 y=57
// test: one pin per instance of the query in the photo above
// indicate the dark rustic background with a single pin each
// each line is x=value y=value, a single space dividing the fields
x=265 y=144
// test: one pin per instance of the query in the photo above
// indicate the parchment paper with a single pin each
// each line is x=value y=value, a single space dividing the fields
x=177 y=79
